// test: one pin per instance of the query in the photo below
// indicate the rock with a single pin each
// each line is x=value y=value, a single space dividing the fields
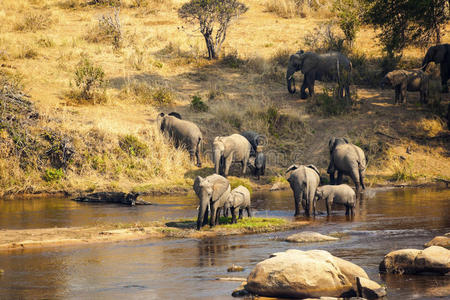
x=240 y=291
x=369 y=289
x=434 y=259
x=276 y=186
x=303 y=274
x=113 y=197
x=235 y=268
x=309 y=237
x=443 y=241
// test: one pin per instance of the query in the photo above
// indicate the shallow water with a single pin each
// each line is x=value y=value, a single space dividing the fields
x=385 y=220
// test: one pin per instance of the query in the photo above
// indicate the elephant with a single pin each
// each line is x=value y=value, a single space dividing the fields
x=439 y=54
x=304 y=181
x=183 y=133
x=229 y=149
x=213 y=193
x=339 y=194
x=239 y=199
x=260 y=162
x=346 y=159
x=322 y=67
x=254 y=139
x=176 y=115
x=407 y=80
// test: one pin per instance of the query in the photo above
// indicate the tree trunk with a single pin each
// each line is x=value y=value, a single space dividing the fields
x=210 y=46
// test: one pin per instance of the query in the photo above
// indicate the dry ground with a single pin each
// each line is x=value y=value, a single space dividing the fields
x=158 y=51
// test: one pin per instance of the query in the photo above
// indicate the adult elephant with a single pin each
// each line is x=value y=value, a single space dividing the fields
x=254 y=139
x=346 y=159
x=183 y=133
x=439 y=54
x=322 y=67
x=229 y=149
x=304 y=181
x=213 y=193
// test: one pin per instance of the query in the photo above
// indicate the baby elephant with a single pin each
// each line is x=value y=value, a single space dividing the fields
x=404 y=80
x=340 y=194
x=260 y=162
x=239 y=199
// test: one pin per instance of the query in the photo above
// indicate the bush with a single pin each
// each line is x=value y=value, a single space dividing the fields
x=348 y=14
x=162 y=95
x=109 y=26
x=34 y=21
x=328 y=103
x=198 y=105
x=232 y=60
x=325 y=38
x=52 y=174
x=133 y=146
x=89 y=79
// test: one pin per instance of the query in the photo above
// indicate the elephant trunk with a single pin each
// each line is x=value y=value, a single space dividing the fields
x=217 y=160
x=290 y=80
x=426 y=61
x=201 y=213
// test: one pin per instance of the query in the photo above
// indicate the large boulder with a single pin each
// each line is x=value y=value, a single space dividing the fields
x=443 y=241
x=304 y=274
x=369 y=289
x=309 y=237
x=434 y=259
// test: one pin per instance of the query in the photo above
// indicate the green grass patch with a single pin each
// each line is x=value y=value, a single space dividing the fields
x=245 y=223
x=236 y=181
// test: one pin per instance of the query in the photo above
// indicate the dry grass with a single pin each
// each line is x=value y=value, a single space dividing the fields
x=155 y=53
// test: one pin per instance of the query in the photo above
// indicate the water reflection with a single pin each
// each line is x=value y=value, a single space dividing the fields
x=385 y=220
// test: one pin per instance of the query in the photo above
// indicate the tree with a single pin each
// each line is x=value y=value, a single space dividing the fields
x=405 y=22
x=209 y=14
x=348 y=14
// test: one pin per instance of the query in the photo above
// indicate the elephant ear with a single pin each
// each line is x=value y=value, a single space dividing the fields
x=292 y=168
x=309 y=62
x=197 y=182
x=220 y=186
x=314 y=168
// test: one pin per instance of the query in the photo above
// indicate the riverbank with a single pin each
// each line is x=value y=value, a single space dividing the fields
x=184 y=228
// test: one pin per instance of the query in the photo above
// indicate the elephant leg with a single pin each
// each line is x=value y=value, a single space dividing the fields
x=197 y=155
x=244 y=166
x=311 y=85
x=354 y=174
x=212 y=220
x=397 y=94
x=361 y=179
x=249 y=212
x=328 y=204
x=218 y=216
x=205 y=219
x=241 y=213
x=403 y=93
x=297 y=198
x=347 y=210
x=444 y=76
x=228 y=162
x=303 y=94
x=339 y=177
x=311 y=203
x=233 y=215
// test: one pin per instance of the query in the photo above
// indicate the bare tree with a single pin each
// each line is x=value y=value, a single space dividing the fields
x=209 y=14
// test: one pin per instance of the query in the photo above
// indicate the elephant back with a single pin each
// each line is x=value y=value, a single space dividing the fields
x=346 y=155
x=239 y=196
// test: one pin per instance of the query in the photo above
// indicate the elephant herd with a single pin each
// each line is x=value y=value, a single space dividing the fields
x=214 y=191
x=336 y=67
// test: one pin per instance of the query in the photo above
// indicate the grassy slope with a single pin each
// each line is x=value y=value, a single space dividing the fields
x=157 y=52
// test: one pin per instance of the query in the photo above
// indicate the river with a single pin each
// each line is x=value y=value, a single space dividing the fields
x=386 y=220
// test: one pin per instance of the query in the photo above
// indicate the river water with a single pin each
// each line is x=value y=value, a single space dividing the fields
x=386 y=220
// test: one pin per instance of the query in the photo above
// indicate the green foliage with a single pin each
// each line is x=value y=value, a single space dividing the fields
x=328 y=103
x=236 y=181
x=209 y=15
x=325 y=38
x=51 y=174
x=402 y=171
x=406 y=22
x=198 y=105
x=89 y=78
x=133 y=146
x=348 y=14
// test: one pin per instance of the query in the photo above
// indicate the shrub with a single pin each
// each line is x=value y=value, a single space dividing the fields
x=34 y=21
x=89 y=79
x=325 y=38
x=328 y=103
x=198 y=105
x=402 y=171
x=348 y=14
x=281 y=57
x=109 y=26
x=27 y=52
x=232 y=60
x=144 y=93
x=52 y=174
x=115 y=3
x=162 y=95
x=133 y=146
x=46 y=42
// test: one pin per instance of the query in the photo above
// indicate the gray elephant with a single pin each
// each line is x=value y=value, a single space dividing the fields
x=229 y=149
x=260 y=162
x=213 y=193
x=439 y=54
x=254 y=139
x=339 y=194
x=333 y=66
x=346 y=159
x=183 y=133
x=239 y=199
x=407 y=80
x=175 y=114
x=304 y=181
